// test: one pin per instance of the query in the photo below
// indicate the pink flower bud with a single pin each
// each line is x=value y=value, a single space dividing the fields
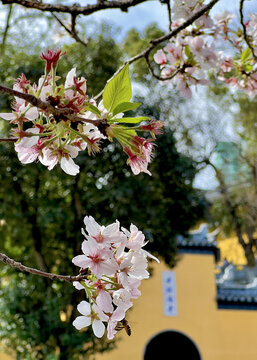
x=51 y=57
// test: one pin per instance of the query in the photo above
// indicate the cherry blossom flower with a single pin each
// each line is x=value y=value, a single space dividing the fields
x=70 y=121
x=137 y=161
x=160 y=57
x=98 y=260
x=26 y=113
x=91 y=316
x=102 y=234
x=117 y=315
x=51 y=156
x=116 y=268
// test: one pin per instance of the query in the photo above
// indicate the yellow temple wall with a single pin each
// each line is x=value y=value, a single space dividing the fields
x=218 y=334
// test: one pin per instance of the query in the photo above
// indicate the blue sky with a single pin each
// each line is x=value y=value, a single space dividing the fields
x=153 y=11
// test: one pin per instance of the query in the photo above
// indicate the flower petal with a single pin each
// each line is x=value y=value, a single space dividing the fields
x=32 y=114
x=104 y=301
x=84 y=308
x=81 y=261
x=98 y=328
x=7 y=116
x=69 y=166
x=81 y=322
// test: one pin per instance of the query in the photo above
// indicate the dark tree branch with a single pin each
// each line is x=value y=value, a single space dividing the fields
x=75 y=9
x=59 y=114
x=17 y=265
x=8 y=139
x=246 y=37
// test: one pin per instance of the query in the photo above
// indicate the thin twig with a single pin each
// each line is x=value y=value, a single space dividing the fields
x=6 y=29
x=246 y=37
x=72 y=31
x=161 y=78
x=17 y=265
x=8 y=139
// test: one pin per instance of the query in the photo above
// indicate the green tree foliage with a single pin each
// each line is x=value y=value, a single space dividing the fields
x=136 y=42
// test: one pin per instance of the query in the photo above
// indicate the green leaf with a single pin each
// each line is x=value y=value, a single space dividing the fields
x=117 y=90
x=125 y=106
x=130 y=120
x=247 y=68
x=93 y=109
x=245 y=55
x=188 y=51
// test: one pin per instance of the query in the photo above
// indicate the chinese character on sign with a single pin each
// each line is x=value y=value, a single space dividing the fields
x=169 y=293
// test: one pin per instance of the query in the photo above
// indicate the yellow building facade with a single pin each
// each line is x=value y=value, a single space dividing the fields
x=218 y=334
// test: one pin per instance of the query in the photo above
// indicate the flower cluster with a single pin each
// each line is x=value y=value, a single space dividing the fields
x=188 y=57
x=116 y=264
x=62 y=120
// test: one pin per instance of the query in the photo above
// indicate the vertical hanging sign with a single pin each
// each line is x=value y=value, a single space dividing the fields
x=169 y=293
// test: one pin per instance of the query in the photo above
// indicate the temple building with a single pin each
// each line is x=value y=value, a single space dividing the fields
x=203 y=309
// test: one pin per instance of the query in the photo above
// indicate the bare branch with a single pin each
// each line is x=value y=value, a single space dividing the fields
x=76 y=9
x=72 y=31
x=246 y=37
x=6 y=29
x=17 y=265
x=8 y=139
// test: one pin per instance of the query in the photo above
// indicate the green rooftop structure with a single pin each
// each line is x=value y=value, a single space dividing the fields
x=228 y=160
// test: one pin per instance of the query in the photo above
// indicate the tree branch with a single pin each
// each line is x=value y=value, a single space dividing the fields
x=76 y=9
x=161 y=78
x=246 y=37
x=6 y=29
x=72 y=31
x=17 y=265
x=59 y=114
x=8 y=139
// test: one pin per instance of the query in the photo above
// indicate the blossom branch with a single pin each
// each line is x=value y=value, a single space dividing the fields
x=17 y=265
x=161 y=78
x=154 y=43
x=246 y=37
x=59 y=114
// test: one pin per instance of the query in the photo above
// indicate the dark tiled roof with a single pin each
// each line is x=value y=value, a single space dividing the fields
x=198 y=241
x=237 y=288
